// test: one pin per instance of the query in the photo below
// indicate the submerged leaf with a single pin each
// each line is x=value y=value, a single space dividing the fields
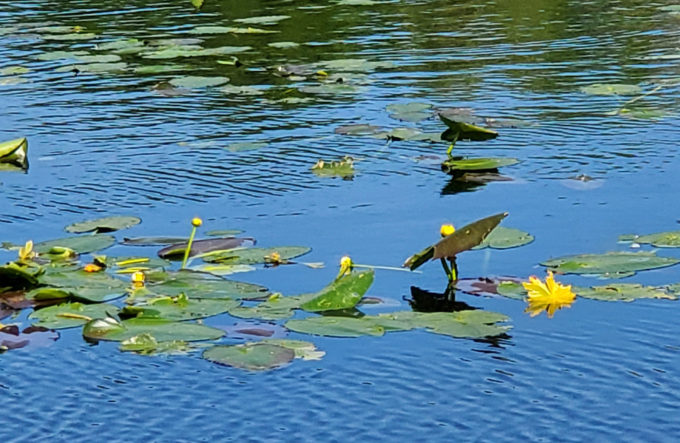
x=106 y=224
x=610 y=264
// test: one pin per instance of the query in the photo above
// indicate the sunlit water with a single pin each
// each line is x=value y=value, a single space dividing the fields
x=109 y=143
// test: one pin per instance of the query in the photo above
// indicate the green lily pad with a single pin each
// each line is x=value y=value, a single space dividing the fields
x=252 y=256
x=242 y=90
x=18 y=277
x=229 y=30
x=95 y=68
x=89 y=286
x=128 y=265
x=276 y=307
x=610 y=264
x=331 y=89
x=410 y=112
x=60 y=55
x=15 y=152
x=611 y=89
x=669 y=239
x=176 y=251
x=342 y=168
x=505 y=238
x=477 y=164
x=223 y=233
x=70 y=315
x=81 y=245
x=222 y=269
x=283 y=45
x=193 y=81
x=644 y=113
x=458 y=130
x=250 y=356
x=355 y=65
x=180 y=308
x=146 y=344
x=14 y=70
x=263 y=20
x=101 y=58
x=303 y=349
x=192 y=51
x=410 y=134
x=160 y=328
x=623 y=292
x=360 y=130
x=461 y=240
x=158 y=69
x=200 y=285
x=106 y=224
x=336 y=326
x=343 y=293
x=72 y=36
x=123 y=43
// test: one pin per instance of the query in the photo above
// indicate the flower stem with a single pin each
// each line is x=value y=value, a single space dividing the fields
x=188 y=249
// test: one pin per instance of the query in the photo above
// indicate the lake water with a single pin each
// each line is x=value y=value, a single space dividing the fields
x=113 y=142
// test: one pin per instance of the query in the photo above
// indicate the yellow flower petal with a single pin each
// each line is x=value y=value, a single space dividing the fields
x=549 y=296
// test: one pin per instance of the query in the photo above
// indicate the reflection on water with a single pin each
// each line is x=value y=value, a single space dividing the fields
x=91 y=86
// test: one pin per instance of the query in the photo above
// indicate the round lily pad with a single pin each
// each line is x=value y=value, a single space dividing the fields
x=505 y=238
x=623 y=292
x=477 y=164
x=81 y=245
x=181 y=308
x=251 y=356
x=193 y=81
x=611 y=264
x=160 y=328
x=106 y=224
x=69 y=315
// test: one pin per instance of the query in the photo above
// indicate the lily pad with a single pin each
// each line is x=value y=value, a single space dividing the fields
x=458 y=130
x=336 y=326
x=623 y=292
x=14 y=70
x=161 y=329
x=193 y=81
x=303 y=349
x=32 y=336
x=89 y=286
x=610 y=264
x=263 y=20
x=222 y=269
x=158 y=69
x=342 y=168
x=354 y=65
x=669 y=239
x=95 y=68
x=224 y=232
x=360 y=130
x=146 y=344
x=200 y=285
x=14 y=276
x=644 y=113
x=343 y=293
x=250 y=356
x=410 y=112
x=106 y=224
x=70 y=315
x=15 y=152
x=611 y=89
x=275 y=308
x=505 y=238
x=252 y=256
x=81 y=245
x=180 y=308
x=461 y=240
x=176 y=251
x=283 y=45
x=192 y=51
x=477 y=164
x=246 y=146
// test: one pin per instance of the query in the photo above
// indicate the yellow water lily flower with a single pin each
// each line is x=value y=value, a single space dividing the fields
x=138 y=279
x=91 y=267
x=346 y=266
x=447 y=230
x=549 y=296
x=26 y=252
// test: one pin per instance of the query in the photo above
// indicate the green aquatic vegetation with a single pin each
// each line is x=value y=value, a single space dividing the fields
x=159 y=328
x=251 y=256
x=505 y=238
x=14 y=70
x=80 y=245
x=458 y=130
x=668 y=239
x=246 y=146
x=610 y=264
x=410 y=112
x=458 y=165
x=624 y=292
x=201 y=285
x=105 y=224
x=283 y=45
x=14 y=153
x=176 y=251
x=611 y=89
x=343 y=293
x=263 y=20
x=229 y=30
x=197 y=82
x=180 y=308
x=251 y=356
x=71 y=315
x=95 y=68
x=146 y=344
x=343 y=168
x=80 y=285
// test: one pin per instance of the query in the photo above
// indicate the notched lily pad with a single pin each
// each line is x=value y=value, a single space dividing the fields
x=250 y=356
x=70 y=315
x=623 y=292
x=105 y=224
x=610 y=264
x=505 y=238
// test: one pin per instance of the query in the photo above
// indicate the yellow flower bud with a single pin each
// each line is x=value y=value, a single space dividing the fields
x=138 y=278
x=447 y=230
x=196 y=222
x=91 y=267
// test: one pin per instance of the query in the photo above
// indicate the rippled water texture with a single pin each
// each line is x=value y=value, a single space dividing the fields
x=122 y=141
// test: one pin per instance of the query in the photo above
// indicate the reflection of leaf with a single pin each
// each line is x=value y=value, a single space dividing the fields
x=669 y=239
x=461 y=240
x=610 y=265
x=106 y=224
x=504 y=238
x=69 y=315
x=623 y=292
x=161 y=329
x=34 y=336
x=343 y=293
x=250 y=356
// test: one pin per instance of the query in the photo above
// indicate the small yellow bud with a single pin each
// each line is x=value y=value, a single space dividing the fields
x=346 y=265
x=196 y=222
x=138 y=278
x=447 y=230
x=91 y=267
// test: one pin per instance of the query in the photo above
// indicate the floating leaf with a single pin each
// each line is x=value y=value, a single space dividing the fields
x=158 y=69
x=241 y=90
x=106 y=224
x=200 y=285
x=336 y=326
x=477 y=164
x=176 y=251
x=343 y=293
x=623 y=292
x=458 y=130
x=252 y=256
x=222 y=270
x=32 y=336
x=354 y=65
x=193 y=81
x=250 y=356
x=192 y=51
x=645 y=113
x=81 y=245
x=229 y=30
x=275 y=308
x=14 y=276
x=611 y=89
x=246 y=146
x=154 y=241
x=15 y=152
x=161 y=329
x=331 y=89
x=303 y=349
x=123 y=43
x=14 y=70
x=283 y=45
x=198 y=4
x=89 y=286
x=181 y=308
x=461 y=240
x=610 y=264
x=669 y=239
x=263 y=20
x=224 y=233
x=410 y=112
x=69 y=315
x=343 y=168
x=505 y=238
x=95 y=68
x=146 y=344
x=360 y=130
